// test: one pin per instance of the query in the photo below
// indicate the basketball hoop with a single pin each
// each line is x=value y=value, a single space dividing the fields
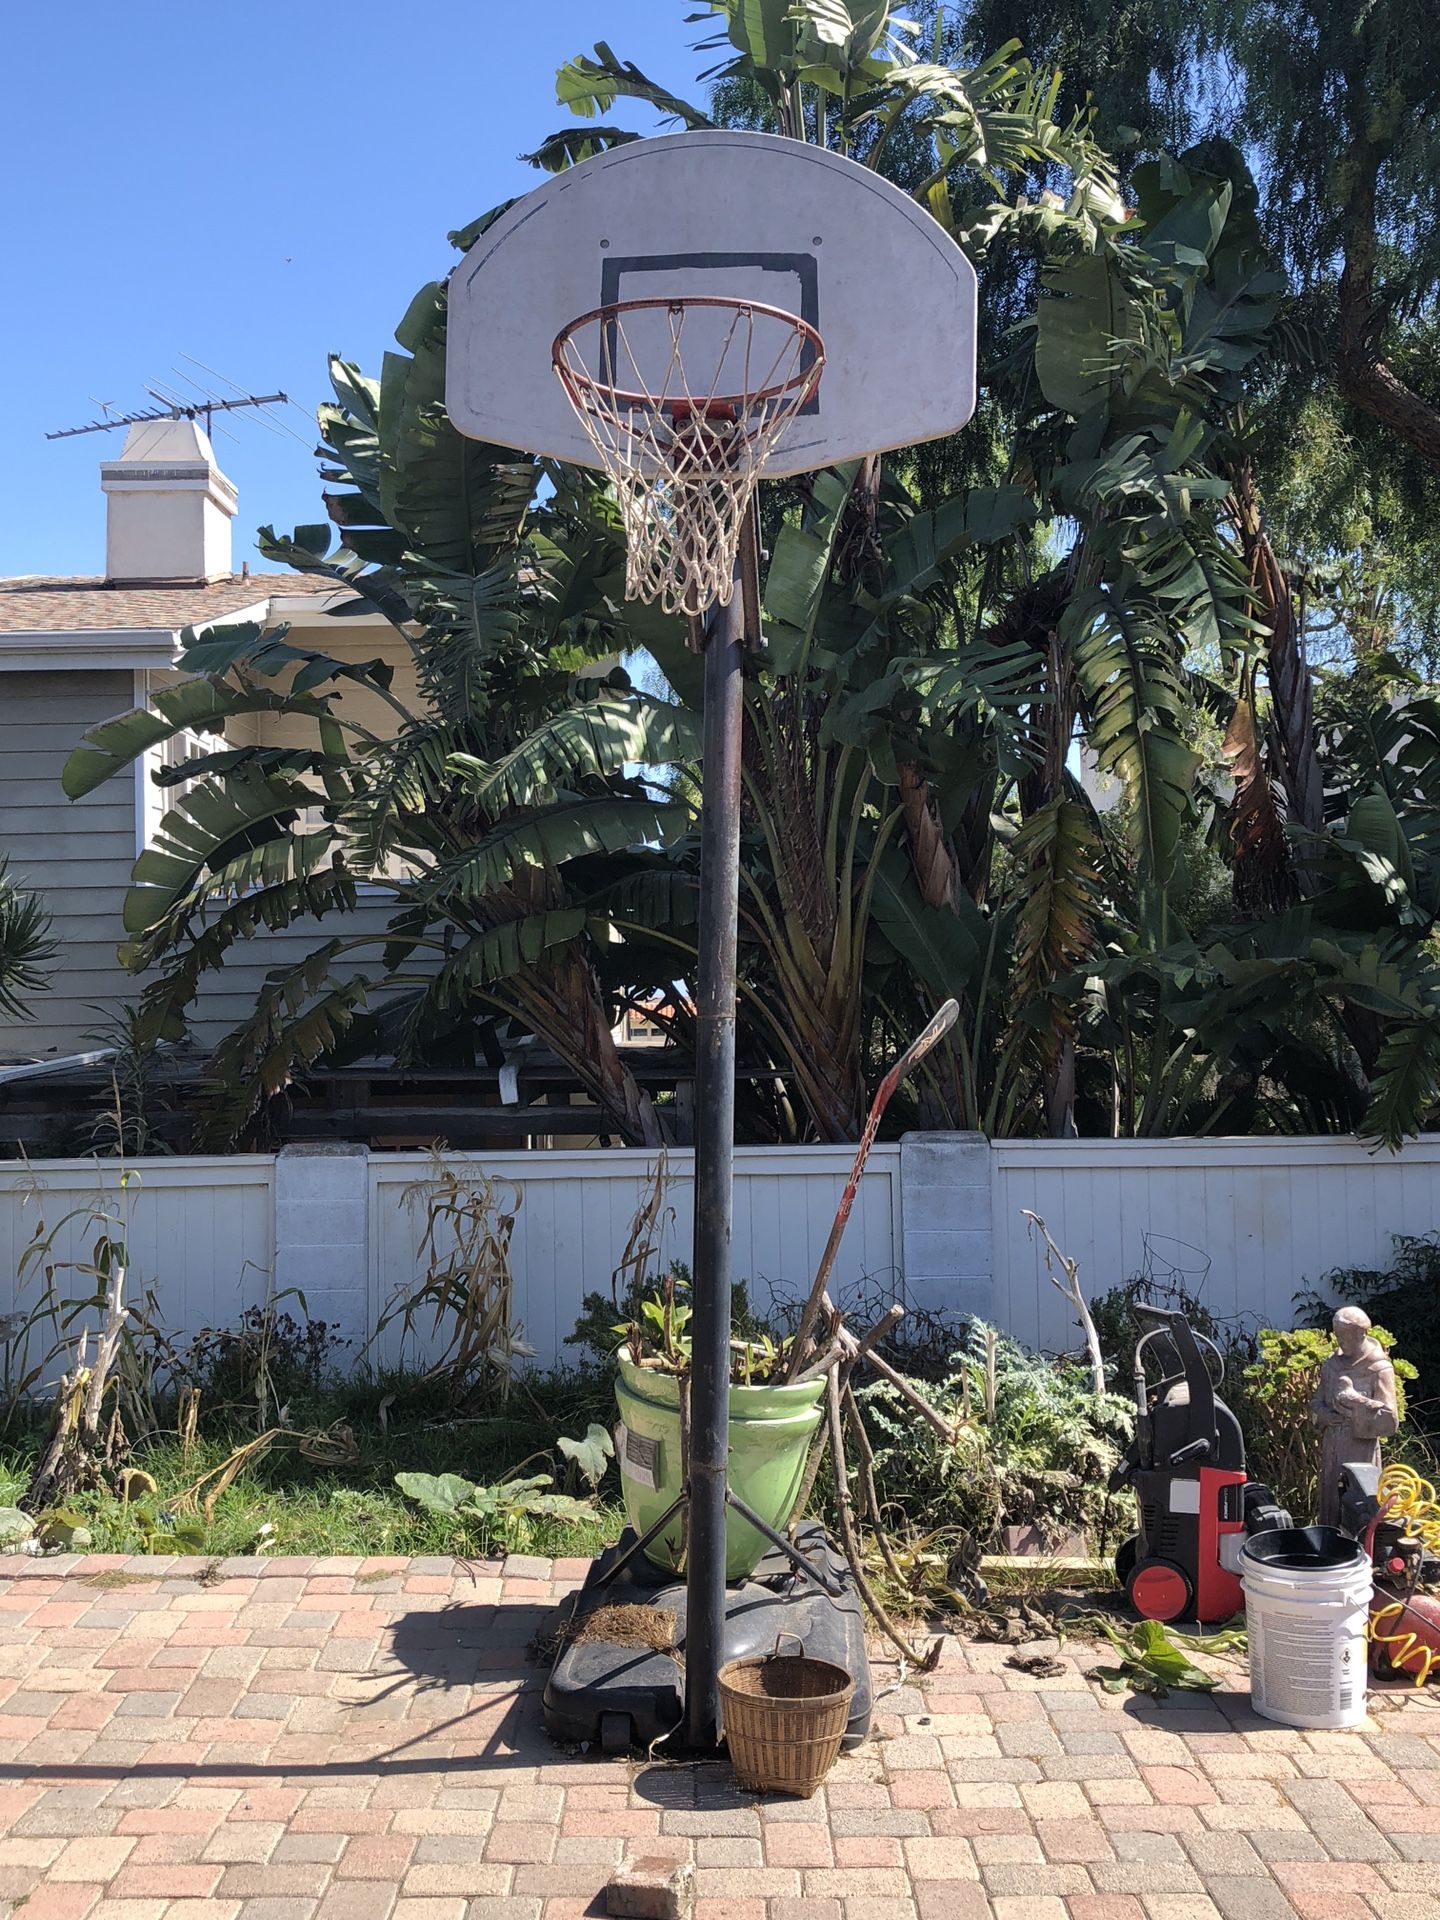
x=684 y=400
x=685 y=446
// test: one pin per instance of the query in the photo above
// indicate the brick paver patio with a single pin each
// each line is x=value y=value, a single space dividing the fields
x=361 y=1740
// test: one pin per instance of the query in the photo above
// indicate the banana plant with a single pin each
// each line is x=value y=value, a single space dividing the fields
x=854 y=75
x=524 y=754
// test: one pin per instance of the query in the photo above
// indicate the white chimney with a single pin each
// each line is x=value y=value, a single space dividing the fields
x=170 y=506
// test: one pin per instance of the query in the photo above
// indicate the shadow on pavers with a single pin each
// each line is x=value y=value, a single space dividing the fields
x=457 y=1646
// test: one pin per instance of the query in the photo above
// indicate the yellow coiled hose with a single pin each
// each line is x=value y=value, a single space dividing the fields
x=1413 y=1505
x=1403 y=1647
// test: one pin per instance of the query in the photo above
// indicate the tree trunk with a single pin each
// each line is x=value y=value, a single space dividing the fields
x=1262 y=876
x=566 y=1009
x=813 y=991
x=1365 y=379
x=1060 y=1090
x=1292 y=710
x=562 y=1002
x=930 y=852
x=1039 y=789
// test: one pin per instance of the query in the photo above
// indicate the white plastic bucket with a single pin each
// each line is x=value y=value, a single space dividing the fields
x=1306 y=1620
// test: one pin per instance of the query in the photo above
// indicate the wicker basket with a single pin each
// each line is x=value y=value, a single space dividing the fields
x=785 y=1716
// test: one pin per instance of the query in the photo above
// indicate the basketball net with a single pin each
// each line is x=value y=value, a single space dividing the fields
x=685 y=446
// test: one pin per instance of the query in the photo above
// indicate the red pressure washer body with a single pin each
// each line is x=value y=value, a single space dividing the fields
x=1187 y=1466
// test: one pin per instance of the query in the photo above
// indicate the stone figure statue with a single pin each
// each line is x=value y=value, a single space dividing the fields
x=1354 y=1406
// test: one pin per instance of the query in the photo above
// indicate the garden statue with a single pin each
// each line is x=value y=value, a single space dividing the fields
x=1354 y=1406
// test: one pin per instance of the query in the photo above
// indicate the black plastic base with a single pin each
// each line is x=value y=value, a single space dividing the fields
x=621 y=1697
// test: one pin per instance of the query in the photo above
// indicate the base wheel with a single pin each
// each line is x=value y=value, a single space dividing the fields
x=1159 y=1590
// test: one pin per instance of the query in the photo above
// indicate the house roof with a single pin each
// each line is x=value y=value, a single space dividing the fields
x=38 y=603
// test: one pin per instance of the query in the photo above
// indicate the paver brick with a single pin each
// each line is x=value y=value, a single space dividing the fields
x=1028 y=1907
x=280 y=1907
x=95 y=1858
x=951 y=1900
x=804 y=1909
x=297 y=1879
x=1247 y=1897
x=467 y=1878
x=796 y=1845
x=244 y=1841
x=1149 y=1846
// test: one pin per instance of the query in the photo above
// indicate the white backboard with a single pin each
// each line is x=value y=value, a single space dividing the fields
x=747 y=215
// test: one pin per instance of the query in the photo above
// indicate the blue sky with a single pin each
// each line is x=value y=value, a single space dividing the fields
x=254 y=187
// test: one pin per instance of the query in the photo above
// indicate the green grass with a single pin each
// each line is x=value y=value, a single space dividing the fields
x=1020 y=1577
x=356 y=1508
x=282 y=1503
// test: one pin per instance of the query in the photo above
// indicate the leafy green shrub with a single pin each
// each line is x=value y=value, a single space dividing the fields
x=451 y=1495
x=489 y=1510
x=269 y=1357
x=1042 y=1457
x=929 y=1484
x=1055 y=1440
x=654 y=1315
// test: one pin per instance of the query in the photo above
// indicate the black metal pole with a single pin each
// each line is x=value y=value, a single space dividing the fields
x=714 y=1153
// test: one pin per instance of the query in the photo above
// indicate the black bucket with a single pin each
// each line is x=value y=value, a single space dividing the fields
x=1305 y=1549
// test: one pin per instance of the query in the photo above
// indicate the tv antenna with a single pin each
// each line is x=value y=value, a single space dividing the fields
x=174 y=409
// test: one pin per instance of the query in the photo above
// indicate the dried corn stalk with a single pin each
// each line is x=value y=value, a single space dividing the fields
x=647 y=1227
x=467 y=1292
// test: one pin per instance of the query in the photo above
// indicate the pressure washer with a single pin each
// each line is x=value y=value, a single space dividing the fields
x=1197 y=1505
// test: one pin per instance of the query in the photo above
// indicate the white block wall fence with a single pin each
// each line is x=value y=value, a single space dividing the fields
x=200 y=1232
x=937 y=1224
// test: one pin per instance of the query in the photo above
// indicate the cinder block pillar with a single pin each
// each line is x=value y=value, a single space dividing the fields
x=946 y=1224
x=322 y=1233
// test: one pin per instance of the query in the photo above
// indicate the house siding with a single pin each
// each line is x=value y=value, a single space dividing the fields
x=76 y=855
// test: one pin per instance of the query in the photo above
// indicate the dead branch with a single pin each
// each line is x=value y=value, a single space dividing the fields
x=850 y=1544
x=1056 y=1265
x=921 y=1405
x=865 y=1455
x=831 y=1358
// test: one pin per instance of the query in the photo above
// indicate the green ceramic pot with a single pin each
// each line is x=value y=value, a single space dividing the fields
x=770 y=1433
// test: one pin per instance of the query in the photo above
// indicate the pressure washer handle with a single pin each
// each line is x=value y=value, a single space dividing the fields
x=1142 y=1446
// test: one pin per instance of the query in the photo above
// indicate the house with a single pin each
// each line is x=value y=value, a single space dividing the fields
x=77 y=651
